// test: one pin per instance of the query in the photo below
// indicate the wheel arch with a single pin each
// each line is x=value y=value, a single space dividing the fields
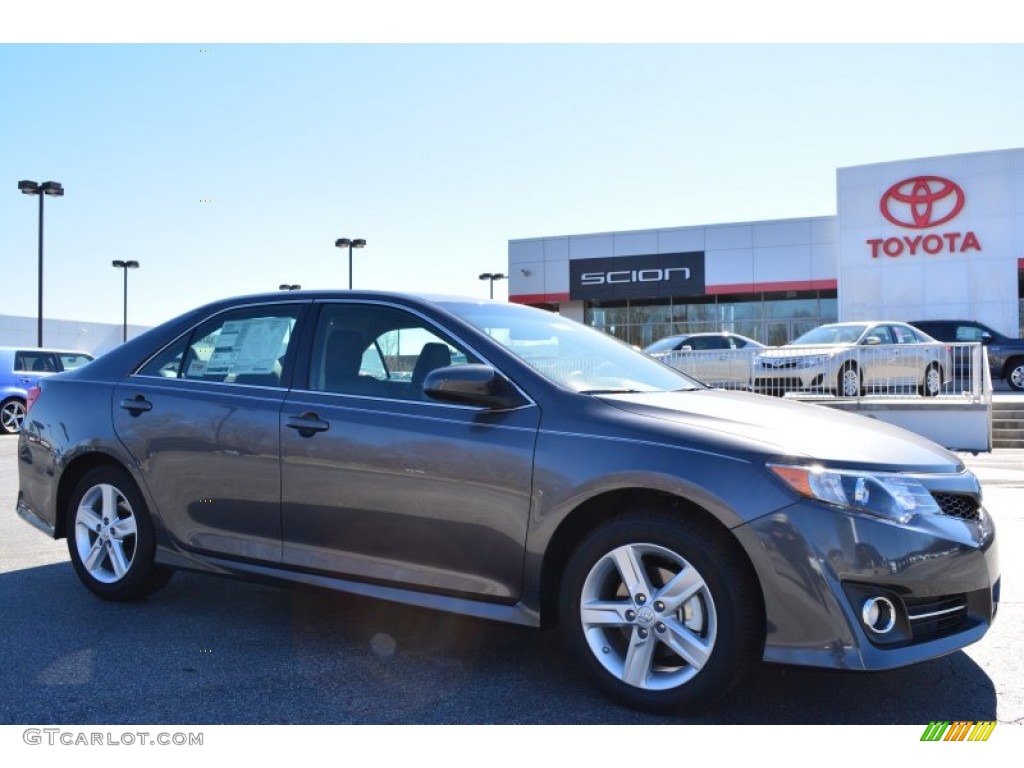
x=70 y=477
x=1012 y=362
x=605 y=506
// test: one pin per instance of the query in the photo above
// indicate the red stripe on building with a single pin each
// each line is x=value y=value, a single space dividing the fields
x=711 y=290
x=538 y=298
x=786 y=285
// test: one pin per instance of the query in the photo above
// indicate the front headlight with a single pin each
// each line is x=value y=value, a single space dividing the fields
x=894 y=497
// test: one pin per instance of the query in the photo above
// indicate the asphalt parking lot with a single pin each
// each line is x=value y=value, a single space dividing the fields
x=212 y=651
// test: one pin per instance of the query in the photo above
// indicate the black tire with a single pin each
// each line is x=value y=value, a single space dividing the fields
x=849 y=382
x=1015 y=374
x=720 y=626
x=110 y=537
x=12 y=414
x=931 y=384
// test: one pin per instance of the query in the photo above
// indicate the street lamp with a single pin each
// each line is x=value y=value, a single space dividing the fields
x=288 y=287
x=342 y=243
x=492 y=276
x=125 y=265
x=53 y=189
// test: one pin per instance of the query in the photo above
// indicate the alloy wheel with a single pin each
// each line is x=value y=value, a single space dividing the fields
x=12 y=416
x=106 y=533
x=648 y=616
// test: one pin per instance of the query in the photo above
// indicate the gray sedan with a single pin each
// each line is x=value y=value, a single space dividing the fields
x=506 y=463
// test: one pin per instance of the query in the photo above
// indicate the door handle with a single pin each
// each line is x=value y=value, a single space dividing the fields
x=137 y=405
x=307 y=424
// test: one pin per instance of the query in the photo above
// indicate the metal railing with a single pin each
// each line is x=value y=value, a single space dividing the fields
x=882 y=370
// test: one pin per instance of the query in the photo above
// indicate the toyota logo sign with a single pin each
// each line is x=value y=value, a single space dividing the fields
x=922 y=202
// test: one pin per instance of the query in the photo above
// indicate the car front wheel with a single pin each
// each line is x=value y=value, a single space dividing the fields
x=932 y=383
x=848 y=383
x=1015 y=374
x=12 y=416
x=111 y=539
x=661 y=611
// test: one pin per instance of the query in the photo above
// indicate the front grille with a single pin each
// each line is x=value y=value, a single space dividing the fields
x=933 y=617
x=957 y=505
x=781 y=384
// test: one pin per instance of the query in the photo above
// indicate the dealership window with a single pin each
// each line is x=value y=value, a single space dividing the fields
x=771 y=318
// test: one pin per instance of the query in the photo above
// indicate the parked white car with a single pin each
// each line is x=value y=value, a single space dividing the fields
x=849 y=358
x=717 y=359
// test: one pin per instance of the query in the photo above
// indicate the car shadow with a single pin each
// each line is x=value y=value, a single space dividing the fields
x=209 y=650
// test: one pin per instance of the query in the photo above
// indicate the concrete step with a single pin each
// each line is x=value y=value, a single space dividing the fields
x=1004 y=443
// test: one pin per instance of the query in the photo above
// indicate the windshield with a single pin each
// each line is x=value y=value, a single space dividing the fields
x=830 y=334
x=570 y=354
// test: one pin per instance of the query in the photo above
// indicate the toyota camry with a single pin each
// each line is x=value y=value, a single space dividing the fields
x=506 y=463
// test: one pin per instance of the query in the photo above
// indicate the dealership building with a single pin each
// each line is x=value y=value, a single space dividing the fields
x=938 y=237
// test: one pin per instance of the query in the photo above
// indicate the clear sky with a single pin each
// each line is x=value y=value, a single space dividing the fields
x=438 y=154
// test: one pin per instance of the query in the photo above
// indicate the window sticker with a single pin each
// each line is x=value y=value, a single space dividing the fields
x=247 y=346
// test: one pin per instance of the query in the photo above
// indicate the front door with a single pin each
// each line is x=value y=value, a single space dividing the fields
x=382 y=484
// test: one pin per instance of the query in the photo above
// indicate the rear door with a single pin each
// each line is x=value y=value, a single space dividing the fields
x=32 y=364
x=709 y=360
x=201 y=421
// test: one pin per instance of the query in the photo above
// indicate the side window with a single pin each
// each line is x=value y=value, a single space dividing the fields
x=706 y=342
x=903 y=335
x=968 y=333
x=883 y=333
x=70 y=361
x=34 y=361
x=377 y=351
x=737 y=343
x=245 y=346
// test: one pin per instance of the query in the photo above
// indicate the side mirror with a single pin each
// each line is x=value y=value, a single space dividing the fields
x=872 y=341
x=686 y=348
x=471 y=384
x=986 y=337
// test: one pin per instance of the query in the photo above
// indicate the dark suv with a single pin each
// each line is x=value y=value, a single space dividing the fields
x=1005 y=355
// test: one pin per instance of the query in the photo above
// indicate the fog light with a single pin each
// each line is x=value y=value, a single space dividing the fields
x=879 y=614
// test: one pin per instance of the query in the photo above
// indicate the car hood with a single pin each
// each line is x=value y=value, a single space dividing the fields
x=800 y=430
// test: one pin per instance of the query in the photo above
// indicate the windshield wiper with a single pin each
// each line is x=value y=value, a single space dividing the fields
x=615 y=391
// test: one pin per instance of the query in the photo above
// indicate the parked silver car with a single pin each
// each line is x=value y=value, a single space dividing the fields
x=716 y=359
x=850 y=358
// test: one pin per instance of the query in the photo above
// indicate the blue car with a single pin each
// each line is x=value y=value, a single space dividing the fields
x=20 y=370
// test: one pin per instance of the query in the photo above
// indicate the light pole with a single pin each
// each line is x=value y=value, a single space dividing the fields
x=342 y=243
x=289 y=287
x=492 y=276
x=125 y=265
x=53 y=189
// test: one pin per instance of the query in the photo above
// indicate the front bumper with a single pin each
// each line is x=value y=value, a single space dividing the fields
x=792 y=377
x=817 y=565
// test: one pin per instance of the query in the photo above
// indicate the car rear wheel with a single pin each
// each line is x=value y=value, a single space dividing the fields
x=1015 y=374
x=848 y=382
x=12 y=416
x=932 y=383
x=111 y=539
x=661 y=611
